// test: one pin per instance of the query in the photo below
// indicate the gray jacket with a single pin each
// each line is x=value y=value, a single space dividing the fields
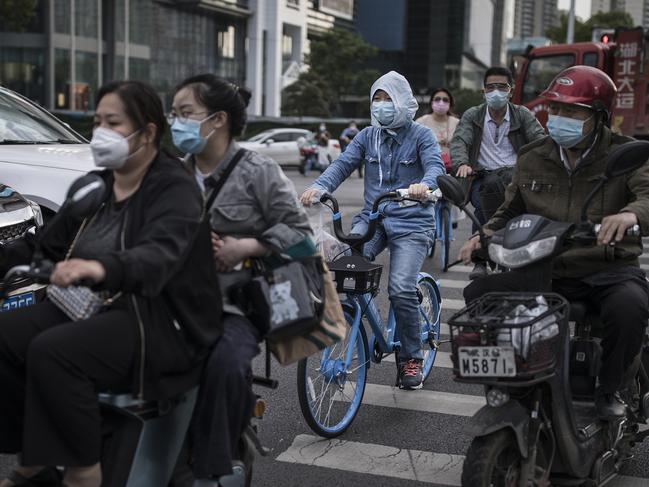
x=465 y=144
x=259 y=201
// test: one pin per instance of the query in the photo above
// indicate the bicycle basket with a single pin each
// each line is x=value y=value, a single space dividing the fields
x=355 y=275
x=533 y=325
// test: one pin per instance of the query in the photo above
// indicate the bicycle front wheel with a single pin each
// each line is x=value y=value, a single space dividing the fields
x=429 y=322
x=330 y=393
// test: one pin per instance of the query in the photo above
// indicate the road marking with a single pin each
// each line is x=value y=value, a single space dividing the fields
x=388 y=461
x=453 y=283
x=367 y=458
x=454 y=304
x=423 y=400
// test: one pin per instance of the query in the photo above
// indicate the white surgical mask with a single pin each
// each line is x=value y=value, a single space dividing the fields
x=110 y=148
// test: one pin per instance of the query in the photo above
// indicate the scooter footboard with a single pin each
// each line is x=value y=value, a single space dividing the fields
x=142 y=440
x=510 y=415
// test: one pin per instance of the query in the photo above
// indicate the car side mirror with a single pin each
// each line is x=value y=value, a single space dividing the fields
x=451 y=190
x=269 y=141
x=622 y=160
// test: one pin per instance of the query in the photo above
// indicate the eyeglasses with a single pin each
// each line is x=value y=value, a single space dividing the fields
x=497 y=86
x=441 y=98
x=172 y=117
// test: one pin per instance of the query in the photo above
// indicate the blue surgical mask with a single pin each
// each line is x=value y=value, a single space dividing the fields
x=384 y=111
x=187 y=135
x=497 y=99
x=565 y=131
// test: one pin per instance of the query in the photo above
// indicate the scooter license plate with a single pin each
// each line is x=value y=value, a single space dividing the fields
x=18 y=301
x=486 y=361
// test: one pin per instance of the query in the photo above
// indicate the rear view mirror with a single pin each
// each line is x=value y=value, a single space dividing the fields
x=269 y=141
x=622 y=160
x=85 y=196
x=627 y=158
x=451 y=189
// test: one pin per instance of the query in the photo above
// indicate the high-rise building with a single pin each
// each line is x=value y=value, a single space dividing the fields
x=71 y=47
x=597 y=6
x=533 y=17
x=441 y=43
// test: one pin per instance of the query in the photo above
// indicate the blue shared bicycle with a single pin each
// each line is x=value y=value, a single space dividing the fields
x=331 y=384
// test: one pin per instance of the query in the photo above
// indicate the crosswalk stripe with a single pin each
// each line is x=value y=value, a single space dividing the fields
x=388 y=461
x=454 y=304
x=452 y=283
x=423 y=400
x=367 y=458
x=461 y=268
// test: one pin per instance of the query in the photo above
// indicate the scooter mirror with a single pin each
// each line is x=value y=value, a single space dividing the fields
x=626 y=158
x=85 y=196
x=451 y=189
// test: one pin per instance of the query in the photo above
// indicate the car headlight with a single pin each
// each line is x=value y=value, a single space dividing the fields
x=514 y=258
x=38 y=213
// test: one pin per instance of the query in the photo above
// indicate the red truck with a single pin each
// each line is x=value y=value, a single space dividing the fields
x=624 y=59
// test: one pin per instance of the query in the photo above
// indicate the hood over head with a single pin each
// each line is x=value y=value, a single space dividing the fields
x=395 y=85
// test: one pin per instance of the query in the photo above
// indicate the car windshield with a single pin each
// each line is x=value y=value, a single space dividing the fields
x=23 y=123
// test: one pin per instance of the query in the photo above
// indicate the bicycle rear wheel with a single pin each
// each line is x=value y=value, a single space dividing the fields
x=445 y=223
x=429 y=322
x=329 y=395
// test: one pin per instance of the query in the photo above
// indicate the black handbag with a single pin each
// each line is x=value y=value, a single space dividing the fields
x=284 y=301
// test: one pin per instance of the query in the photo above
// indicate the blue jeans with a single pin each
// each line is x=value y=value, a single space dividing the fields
x=407 y=254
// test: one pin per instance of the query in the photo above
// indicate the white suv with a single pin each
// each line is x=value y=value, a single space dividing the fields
x=40 y=156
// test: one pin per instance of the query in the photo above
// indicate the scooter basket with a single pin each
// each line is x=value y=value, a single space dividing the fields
x=532 y=324
x=355 y=275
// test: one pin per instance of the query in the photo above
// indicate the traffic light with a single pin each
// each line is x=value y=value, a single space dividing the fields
x=603 y=34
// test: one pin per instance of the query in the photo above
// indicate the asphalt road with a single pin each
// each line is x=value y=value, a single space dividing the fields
x=399 y=438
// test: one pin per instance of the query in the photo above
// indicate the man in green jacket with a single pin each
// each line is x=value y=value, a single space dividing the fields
x=552 y=178
x=486 y=141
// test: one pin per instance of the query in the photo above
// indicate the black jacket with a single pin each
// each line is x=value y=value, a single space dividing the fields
x=165 y=271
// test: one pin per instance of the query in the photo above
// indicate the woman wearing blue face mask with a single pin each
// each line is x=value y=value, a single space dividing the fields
x=397 y=153
x=255 y=212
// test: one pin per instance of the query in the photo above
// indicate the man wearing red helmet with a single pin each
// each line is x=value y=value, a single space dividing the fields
x=552 y=178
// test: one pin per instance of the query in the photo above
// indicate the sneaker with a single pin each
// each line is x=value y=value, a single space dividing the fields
x=479 y=270
x=410 y=376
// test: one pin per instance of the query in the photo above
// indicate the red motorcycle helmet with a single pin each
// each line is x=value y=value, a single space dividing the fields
x=584 y=86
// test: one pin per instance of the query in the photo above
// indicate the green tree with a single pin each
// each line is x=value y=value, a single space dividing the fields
x=583 y=30
x=465 y=99
x=339 y=58
x=15 y=15
x=306 y=97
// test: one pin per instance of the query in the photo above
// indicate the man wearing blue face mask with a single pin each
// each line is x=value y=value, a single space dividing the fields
x=397 y=153
x=485 y=144
x=553 y=177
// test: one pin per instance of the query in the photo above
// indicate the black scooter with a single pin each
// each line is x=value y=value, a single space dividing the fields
x=540 y=427
x=141 y=440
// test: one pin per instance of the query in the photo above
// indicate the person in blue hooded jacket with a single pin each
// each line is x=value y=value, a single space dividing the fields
x=397 y=153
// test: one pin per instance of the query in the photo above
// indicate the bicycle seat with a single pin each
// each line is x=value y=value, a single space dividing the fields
x=578 y=311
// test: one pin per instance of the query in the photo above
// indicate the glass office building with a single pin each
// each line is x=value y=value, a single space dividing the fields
x=69 y=48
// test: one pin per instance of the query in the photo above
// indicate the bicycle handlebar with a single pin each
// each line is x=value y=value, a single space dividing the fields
x=356 y=241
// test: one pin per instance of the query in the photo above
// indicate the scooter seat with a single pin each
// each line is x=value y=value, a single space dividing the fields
x=578 y=311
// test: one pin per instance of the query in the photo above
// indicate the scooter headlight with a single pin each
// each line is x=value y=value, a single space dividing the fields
x=515 y=258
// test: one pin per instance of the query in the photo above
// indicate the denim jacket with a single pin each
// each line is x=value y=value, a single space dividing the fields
x=393 y=159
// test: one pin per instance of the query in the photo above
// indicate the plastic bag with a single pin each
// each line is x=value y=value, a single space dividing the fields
x=524 y=336
x=330 y=246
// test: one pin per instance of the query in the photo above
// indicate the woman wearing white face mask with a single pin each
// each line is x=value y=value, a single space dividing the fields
x=441 y=121
x=139 y=247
